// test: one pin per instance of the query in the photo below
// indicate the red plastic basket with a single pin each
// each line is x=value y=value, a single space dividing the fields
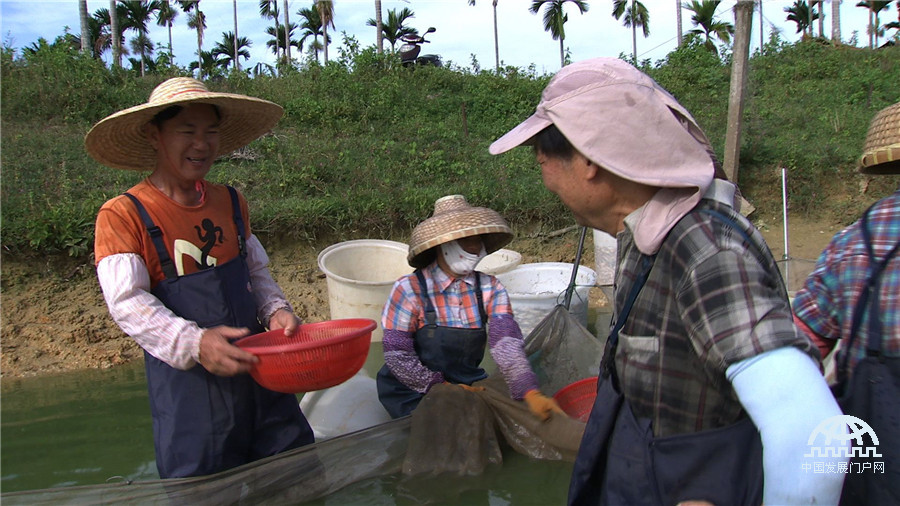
x=577 y=399
x=318 y=356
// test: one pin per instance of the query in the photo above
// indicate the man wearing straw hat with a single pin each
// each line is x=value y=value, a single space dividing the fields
x=707 y=390
x=184 y=276
x=852 y=297
x=434 y=320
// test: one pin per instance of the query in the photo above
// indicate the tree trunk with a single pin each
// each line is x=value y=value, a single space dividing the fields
x=678 y=22
x=85 y=29
x=762 y=34
x=809 y=18
x=633 y=37
x=114 y=33
x=379 y=33
x=836 y=21
x=871 y=26
x=237 y=64
x=287 y=32
x=496 y=40
x=562 y=53
x=324 y=43
x=821 y=19
x=743 y=24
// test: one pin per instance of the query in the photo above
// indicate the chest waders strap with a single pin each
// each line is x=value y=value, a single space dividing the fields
x=156 y=235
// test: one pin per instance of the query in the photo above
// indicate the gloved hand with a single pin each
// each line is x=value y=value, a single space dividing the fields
x=541 y=405
x=466 y=387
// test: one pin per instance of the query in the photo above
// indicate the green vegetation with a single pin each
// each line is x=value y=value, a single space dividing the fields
x=366 y=146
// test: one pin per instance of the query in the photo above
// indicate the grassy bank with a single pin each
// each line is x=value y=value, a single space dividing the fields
x=365 y=148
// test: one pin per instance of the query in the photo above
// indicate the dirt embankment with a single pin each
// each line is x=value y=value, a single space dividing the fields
x=54 y=318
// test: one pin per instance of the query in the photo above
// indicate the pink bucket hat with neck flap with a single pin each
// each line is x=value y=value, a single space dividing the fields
x=622 y=120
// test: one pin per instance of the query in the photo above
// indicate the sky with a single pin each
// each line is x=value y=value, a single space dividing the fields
x=462 y=30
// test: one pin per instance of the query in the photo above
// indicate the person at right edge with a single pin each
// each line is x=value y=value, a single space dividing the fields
x=708 y=392
x=853 y=297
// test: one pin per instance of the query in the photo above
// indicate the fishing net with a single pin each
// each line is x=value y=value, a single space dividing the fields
x=291 y=477
x=458 y=432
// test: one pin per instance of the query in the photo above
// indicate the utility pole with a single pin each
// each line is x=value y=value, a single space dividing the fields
x=743 y=23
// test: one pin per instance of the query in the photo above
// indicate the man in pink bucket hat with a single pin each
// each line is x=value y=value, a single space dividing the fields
x=708 y=391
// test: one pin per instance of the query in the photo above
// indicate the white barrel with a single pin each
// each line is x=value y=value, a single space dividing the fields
x=536 y=288
x=360 y=274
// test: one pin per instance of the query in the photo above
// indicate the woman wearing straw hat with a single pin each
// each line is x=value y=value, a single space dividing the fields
x=434 y=321
x=184 y=276
x=852 y=297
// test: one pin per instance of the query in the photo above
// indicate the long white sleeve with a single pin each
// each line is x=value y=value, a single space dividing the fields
x=787 y=398
x=126 y=288
x=268 y=295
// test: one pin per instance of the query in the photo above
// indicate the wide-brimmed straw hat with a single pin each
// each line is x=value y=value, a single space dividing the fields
x=453 y=219
x=881 y=154
x=120 y=140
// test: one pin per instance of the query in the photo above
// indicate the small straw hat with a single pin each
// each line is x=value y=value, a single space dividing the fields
x=453 y=219
x=120 y=141
x=881 y=154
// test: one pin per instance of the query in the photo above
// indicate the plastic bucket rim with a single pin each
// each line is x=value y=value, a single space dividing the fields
x=320 y=260
x=581 y=288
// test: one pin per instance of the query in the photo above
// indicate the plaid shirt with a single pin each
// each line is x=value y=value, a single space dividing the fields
x=453 y=299
x=828 y=299
x=456 y=305
x=711 y=300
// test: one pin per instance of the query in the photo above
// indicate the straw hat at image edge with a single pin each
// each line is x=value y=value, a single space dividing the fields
x=453 y=219
x=881 y=154
x=120 y=141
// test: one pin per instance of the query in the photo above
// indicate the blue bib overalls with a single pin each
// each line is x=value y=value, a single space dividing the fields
x=203 y=423
x=455 y=352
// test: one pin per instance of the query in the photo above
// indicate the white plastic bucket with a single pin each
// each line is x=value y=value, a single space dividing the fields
x=502 y=260
x=351 y=406
x=360 y=274
x=535 y=289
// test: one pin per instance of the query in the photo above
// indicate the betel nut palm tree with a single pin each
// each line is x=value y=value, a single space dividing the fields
x=196 y=21
x=875 y=29
x=799 y=13
x=139 y=13
x=395 y=28
x=555 y=19
x=496 y=39
x=268 y=9
x=636 y=15
x=225 y=53
x=325 y=9
x=165 y=16
x=311 y=26
x=83 y=17
x=704 y=18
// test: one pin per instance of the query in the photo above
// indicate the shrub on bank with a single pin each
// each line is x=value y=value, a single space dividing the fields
x=366 y=146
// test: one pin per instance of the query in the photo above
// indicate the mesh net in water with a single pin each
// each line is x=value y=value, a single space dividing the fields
x=458 y=432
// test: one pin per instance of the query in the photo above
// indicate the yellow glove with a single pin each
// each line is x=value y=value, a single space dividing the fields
x=541 y=405
x=466 y=387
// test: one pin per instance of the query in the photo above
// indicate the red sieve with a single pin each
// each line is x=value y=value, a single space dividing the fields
x=317 y=356
x=577 y=399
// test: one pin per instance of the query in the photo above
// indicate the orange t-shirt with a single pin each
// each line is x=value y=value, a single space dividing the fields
x=196 y=237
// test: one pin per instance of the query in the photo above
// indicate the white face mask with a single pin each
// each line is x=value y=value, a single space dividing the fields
x=461 y=262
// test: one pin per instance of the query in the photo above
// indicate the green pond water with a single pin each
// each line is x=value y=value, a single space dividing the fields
x=91 y=427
